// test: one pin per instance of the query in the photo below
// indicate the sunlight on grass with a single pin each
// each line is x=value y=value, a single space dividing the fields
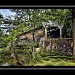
x=56 y=60
x=1 y=49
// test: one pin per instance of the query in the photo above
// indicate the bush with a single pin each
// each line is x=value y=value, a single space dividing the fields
x=44 y=54
x=37 y=57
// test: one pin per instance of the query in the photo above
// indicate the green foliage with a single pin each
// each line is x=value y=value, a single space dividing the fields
x=36 y=16
x=43 y=54
x=27 y=19
x=26 y=50
x=1 y=18
x=53 y=59
x=37 y=57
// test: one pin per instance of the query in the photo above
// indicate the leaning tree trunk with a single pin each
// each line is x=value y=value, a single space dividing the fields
x=33 y=47
x=73 y=21
x=11 y=48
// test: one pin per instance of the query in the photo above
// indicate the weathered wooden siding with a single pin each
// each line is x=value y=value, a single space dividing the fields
x=38 y=33
x=58 y=45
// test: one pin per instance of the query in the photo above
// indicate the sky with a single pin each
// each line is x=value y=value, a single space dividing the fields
x=6 y=12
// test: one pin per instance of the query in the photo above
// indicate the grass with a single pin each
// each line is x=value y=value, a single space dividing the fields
x=55 y=62
x=51 y=59
x=1 y=49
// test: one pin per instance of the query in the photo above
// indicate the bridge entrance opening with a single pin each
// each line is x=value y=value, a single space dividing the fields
x=53 y=32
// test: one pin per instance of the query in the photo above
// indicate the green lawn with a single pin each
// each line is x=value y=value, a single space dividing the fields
x=1 y=49
x=49 y=59
x=56 y=60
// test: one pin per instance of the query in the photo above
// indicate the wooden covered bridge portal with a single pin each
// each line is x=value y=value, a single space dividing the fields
x=46 y=25
x=62 y=45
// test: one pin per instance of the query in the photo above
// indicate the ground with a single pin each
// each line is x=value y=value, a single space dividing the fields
x=56 y=60
x=47 y=59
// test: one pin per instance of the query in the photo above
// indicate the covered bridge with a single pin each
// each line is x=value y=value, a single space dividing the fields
x=45 y=29
x=45 y=41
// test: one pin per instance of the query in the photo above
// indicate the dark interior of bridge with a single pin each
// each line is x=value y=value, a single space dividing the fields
x=53 y=32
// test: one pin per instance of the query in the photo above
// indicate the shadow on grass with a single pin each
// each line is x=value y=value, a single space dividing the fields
x=57 y=56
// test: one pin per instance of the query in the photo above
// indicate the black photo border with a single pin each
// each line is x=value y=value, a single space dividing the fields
x=37 y=67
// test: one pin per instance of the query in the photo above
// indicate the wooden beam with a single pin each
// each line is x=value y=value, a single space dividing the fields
x=45 y=32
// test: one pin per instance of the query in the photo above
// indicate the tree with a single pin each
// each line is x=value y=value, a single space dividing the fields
x=62 y=16
x=1 y=18
x=7 y=21
x=32 y=18
x=73 y=20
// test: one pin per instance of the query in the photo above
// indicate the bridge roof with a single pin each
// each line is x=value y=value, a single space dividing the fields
x=52 y=24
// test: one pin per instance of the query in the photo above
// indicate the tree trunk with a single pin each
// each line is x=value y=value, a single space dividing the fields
x=11 y=48
x=33 y=49
x=45 y=33
x=60 y=33
x=73 y=22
